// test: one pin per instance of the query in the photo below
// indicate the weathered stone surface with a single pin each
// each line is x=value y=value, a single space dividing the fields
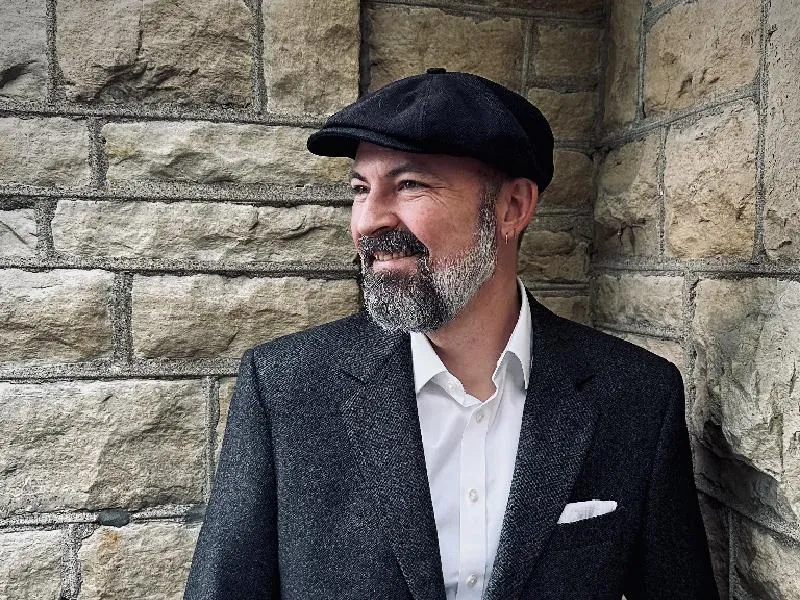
x=626 y=211
x=571 y=115
x=137 y=561
x=725 y=477
x=311 y=55
x=406 y=41
x=782 y=165
x=211 y=315
x=569 y=307
x=581 y=7
x=202 y=152
x=645 y=300
x=566 y=51
x=23 y=49
x=555 y=249
x=201 y=231
x=622 y=68
x=227 y=385
x=17 y=232
x=747 y=341
x=101 y=444
x=699 y=50
x=57 y=315
x=710 y=179
x=668 y=349
x=572 y=181
x=156 y=50
x=47 y=152
x=767 y=564
x=715 y=519
x=30 y=565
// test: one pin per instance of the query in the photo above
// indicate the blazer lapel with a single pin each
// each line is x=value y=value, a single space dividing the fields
x=557 y=428
x=383 y=425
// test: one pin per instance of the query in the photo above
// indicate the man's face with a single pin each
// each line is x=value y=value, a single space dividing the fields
x=424 y=226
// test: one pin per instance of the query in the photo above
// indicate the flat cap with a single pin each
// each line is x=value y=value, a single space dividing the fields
x=459 y=114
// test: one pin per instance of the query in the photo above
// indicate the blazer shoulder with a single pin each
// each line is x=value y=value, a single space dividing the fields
x=612 y=356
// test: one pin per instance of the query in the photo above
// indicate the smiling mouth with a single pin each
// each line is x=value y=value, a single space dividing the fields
x=387 y=256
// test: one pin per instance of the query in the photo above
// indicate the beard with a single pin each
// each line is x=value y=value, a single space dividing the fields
x=435 y=293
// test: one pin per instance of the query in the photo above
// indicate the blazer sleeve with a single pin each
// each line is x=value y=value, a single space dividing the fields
x=236 y=557
x=672 y=559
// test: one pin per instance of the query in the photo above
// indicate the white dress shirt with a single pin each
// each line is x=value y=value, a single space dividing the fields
x=470 y=448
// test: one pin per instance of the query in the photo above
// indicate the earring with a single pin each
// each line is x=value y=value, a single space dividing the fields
x=506 y=234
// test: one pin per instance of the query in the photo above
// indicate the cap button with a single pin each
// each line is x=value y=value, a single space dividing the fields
x=435 y=71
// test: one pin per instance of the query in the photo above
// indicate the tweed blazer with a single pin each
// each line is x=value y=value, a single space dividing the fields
x=321 y=489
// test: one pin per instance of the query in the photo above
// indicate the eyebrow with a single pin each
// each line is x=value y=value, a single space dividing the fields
x=406 y=167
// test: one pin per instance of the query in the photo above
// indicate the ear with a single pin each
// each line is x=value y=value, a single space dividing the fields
x=516 y=211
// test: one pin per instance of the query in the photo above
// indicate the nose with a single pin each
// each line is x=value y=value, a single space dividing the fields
x=373 y=214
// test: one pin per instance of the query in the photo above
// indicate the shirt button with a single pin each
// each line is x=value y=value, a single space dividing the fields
x=478 y=417
x=472 y=580
x=473 y=495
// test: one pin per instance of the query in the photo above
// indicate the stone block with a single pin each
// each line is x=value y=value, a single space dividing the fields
x=747 y=343
x=622 y=67
x=574 y=308
x=709 y=180
x=767 y=563
x=699 y=50
x=137 y=561
x=406 y=41
x=571 y=114
x=572 y=185
x=208 y=231
x=176 y=51
x=101 y=444
x=23 y=49
x=30 y=565
x=782 y=166
x=17 y=232
x=566 y=51
x=59 y=315
x=227 y=385
x=555 y=249
x=211 y=315
x=654 y=301
x=725 y=477
x=311 y=55
x=715 y=519
x=626 y=212
x=45 y=152
x=203 y=152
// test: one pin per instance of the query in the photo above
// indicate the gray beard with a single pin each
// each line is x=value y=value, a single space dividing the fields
x=433 y=295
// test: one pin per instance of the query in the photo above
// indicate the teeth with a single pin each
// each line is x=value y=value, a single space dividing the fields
x=390 y=255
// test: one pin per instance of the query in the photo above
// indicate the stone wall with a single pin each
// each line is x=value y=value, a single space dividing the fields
x=159 y=215
x=697 y=254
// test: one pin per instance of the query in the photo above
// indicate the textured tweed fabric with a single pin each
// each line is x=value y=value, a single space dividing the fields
x=321 y=489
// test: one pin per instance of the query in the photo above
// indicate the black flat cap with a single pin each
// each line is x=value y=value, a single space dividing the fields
x=459 y=114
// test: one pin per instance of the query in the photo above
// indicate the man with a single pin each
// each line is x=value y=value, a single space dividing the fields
x=456 y=440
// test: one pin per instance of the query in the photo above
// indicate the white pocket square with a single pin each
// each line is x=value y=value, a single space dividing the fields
x=578 y=511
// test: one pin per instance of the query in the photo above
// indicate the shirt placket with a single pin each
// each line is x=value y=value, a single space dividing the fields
x=472 y=504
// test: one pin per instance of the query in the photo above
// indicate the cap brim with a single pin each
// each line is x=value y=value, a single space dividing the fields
x=343 y=141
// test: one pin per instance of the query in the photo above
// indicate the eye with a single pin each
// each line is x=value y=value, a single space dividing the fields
x=359 y=189
x=410 y=184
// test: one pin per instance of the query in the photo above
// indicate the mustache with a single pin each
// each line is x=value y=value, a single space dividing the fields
x=395 y=240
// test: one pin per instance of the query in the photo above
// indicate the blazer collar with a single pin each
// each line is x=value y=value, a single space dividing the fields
x=383 y=426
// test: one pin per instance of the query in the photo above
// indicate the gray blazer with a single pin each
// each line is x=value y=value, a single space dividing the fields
x=322 y=492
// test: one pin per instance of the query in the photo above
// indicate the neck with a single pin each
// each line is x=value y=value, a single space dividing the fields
x=470 y=344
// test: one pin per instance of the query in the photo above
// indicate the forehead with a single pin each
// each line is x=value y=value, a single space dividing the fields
x=372 y=160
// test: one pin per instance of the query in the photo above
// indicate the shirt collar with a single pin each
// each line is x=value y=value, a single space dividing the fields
x=427 y=363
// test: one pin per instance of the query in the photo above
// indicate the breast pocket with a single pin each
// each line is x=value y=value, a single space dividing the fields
x=587 y=532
